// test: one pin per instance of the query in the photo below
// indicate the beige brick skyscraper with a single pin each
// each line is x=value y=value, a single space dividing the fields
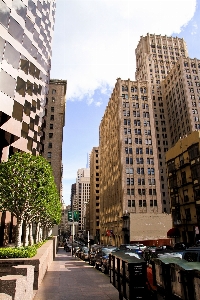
x=54 y=122
x=94 y=194
x=156 y=55
x=129 y=177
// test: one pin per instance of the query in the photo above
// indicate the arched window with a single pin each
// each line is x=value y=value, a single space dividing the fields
x=53 y=99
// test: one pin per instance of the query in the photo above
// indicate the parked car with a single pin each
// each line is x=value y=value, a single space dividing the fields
x=192 y=254
x=81 y=251
x=124 y=246
x=102 y=257
x=68 y=247
x=84 y=253
x=91 y=254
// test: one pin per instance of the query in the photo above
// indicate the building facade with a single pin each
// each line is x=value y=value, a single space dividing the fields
x=26 y=29
x=183 y=167
x=82 y=196
x=156 y=55
x=53 y=124
x=181 y=89
x=129 y=180
x=94 y=203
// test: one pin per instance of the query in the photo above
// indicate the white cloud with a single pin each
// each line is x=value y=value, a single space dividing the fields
x=98 y=103
x=94 y=41
x=194 y=28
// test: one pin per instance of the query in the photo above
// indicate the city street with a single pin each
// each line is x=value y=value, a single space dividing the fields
x=71 y=278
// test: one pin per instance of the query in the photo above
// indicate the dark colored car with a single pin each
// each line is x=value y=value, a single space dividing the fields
x=81 y=251
x=192 y=254
x=68 y=247
x=124 y=246
x=84 y=254
x=91 y=254
x=102 y=257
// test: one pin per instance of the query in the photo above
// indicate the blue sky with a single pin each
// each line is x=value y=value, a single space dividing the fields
x=94 y=43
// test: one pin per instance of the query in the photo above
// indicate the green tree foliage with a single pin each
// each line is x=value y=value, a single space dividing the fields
x=28 y=190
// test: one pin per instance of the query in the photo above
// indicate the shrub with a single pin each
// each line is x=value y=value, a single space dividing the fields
x=21 y=252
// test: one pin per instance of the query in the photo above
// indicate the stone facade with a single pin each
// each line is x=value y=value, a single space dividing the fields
x=53 y=124
x=156 y=55
x=184 y=186
x=129 y=181
x=181 y=89
x=94 y=204
x=82 y=196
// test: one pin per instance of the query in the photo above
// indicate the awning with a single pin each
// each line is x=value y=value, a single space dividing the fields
x=173 y=232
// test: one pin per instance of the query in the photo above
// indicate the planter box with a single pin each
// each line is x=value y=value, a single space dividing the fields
x=43 y=259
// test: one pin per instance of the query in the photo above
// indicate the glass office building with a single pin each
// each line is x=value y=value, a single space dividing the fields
x=26 y=28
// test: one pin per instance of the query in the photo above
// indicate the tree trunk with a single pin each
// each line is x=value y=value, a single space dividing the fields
x=44 y=233
x=18 y=232
x=30 y=233
x=37 y=232
x=26 y=231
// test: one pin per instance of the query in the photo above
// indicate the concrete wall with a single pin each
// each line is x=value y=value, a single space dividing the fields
x=43 y=259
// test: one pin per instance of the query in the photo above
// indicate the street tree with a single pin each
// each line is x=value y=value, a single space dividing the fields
x=27 y=189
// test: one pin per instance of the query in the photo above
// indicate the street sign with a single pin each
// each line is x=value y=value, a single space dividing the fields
x=70 y=217
x=76 y=215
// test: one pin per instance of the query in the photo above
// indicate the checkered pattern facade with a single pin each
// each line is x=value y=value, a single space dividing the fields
x=26 y=28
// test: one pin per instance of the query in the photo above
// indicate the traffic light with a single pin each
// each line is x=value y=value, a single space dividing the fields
x=76 y=216
x=70 y=217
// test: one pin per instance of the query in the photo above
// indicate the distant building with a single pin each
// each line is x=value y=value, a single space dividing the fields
x=64 y=226
x=94 y=196
x=82 y=196
x=53 y=124
x=73 y=199
x=183 y=161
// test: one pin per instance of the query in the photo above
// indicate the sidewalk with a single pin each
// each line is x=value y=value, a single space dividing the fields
x=73 y=279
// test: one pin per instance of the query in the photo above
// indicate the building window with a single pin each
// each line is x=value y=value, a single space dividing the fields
x=50 y=145
x=129 y=203
x=52 y=108
x=141 y=191
x=51 y=126
x=133 y=203
x=49 y=155
x=50 y=135
x=53 y=91
x=52 y=117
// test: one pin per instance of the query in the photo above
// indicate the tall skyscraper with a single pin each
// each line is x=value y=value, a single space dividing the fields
x=182 y=98
x=156 y=55
x=129 y=178
x=82 y=195
x=53 y=124
x=26 y=29
x=143 y=119
x=94 y=203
